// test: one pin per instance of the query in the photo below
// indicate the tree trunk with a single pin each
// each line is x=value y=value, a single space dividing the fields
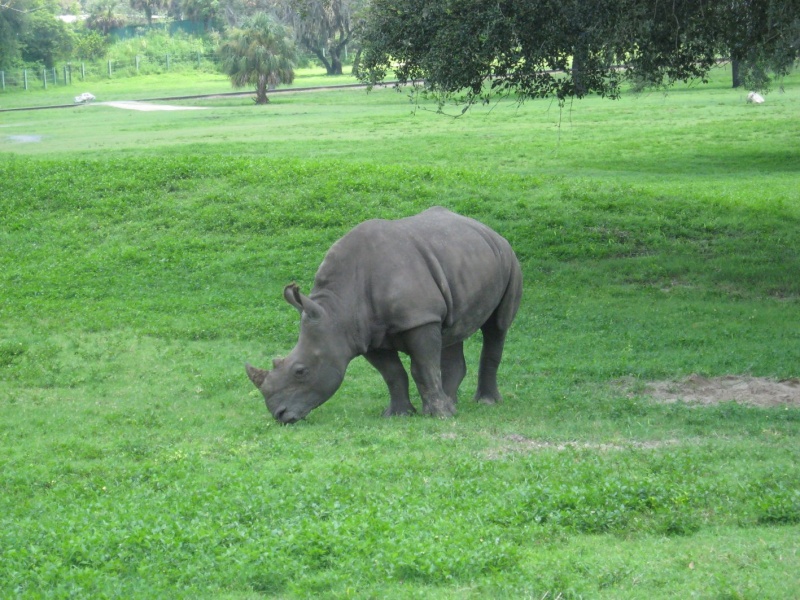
x=323 y=59
x=357 y=63
x=736 y=75
x=261 y=90
x=336 y=52
x=578 y=62
x=336 y=64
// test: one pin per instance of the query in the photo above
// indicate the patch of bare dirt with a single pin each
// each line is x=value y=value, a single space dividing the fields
x=704 y=391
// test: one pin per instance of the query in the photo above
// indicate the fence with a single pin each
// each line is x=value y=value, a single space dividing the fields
x=70 y=73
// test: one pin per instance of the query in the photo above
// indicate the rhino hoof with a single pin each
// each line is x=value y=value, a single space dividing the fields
x=443 y=410
x=488 y=399
x=400 y=412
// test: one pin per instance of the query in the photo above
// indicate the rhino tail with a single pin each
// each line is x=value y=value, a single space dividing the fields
x=507 y=309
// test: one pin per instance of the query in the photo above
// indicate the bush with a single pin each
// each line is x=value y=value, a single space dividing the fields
x=90 y=45
x=152 y=48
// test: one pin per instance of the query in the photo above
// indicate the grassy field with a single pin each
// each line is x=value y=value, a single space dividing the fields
x=142 y=258
x=143 y=87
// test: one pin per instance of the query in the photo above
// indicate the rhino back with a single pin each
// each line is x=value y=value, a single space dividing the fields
x=391 y=276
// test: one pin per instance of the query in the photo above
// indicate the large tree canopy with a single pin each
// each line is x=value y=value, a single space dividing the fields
x=323 y=27
x=568 y=48
x=45 y=39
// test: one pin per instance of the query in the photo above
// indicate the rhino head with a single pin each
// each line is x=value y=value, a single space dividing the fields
x=311 y=373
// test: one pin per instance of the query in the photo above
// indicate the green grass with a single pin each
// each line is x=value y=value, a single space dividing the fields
x=142 y=258
x=142 y=87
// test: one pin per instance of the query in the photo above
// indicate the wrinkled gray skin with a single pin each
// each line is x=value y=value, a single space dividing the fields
x=419 y=285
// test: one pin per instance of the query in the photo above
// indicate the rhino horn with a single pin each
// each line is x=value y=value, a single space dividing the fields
x=302 y=303
x=257 y=376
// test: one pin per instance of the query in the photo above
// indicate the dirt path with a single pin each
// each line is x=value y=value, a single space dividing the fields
x=146 y=106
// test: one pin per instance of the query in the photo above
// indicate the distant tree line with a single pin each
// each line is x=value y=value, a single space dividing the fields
x=30 y=33
x=532 y=48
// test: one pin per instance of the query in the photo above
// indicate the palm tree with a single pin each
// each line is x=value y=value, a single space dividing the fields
x=260 y=53
x=103 y=16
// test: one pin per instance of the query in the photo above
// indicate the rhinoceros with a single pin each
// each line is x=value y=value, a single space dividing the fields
x=420 y=285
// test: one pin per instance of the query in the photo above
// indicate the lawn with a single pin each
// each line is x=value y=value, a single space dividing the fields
x=141 y=87
x=142 y=259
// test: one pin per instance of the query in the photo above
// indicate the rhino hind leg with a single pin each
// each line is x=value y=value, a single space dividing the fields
x=388 y=364
x=492 y=352
x=424 y=346
x=454 y=369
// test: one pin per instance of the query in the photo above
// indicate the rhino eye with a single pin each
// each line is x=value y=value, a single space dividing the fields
x=300 y=372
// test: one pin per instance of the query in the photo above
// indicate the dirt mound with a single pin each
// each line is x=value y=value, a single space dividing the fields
x=753 y=391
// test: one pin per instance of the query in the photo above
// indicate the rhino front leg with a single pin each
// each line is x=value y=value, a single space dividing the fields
x=491 y=354
x=424 y=346
x=454 y=369
x=388 y=364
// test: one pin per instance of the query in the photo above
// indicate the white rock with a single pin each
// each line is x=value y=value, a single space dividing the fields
x=755 y=98
x=84 y=98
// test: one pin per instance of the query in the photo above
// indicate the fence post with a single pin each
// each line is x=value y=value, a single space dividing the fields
x=109 y=69
x=83 y=71
x=3 y=79
x=55 y=77
x=198 y=60
x=65 y=74
x=167 y=62
x=25 y=77
x=137 y=63
x=44 y=77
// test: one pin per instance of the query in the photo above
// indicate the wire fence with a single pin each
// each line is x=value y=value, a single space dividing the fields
x=74 y=72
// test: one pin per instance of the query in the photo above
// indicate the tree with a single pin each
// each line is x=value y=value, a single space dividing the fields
x=207 y=11
x=762 y=38
x=45 y=39
x=103 y=17
x=323 y=27
x=569 y=48
x=261 y=53
x=90 y=45
x=148 y=7
x=13 y=20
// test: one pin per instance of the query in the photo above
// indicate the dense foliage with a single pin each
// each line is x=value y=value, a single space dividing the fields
x=568 y=48
x=32 y=36
x=45 y=40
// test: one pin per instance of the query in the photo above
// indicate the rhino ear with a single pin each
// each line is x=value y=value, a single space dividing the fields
x=257 y=376
x=292 y=295
x=302 y=303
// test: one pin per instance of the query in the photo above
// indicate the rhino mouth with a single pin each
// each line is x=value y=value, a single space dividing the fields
x=286 y=419
x=286 y=415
